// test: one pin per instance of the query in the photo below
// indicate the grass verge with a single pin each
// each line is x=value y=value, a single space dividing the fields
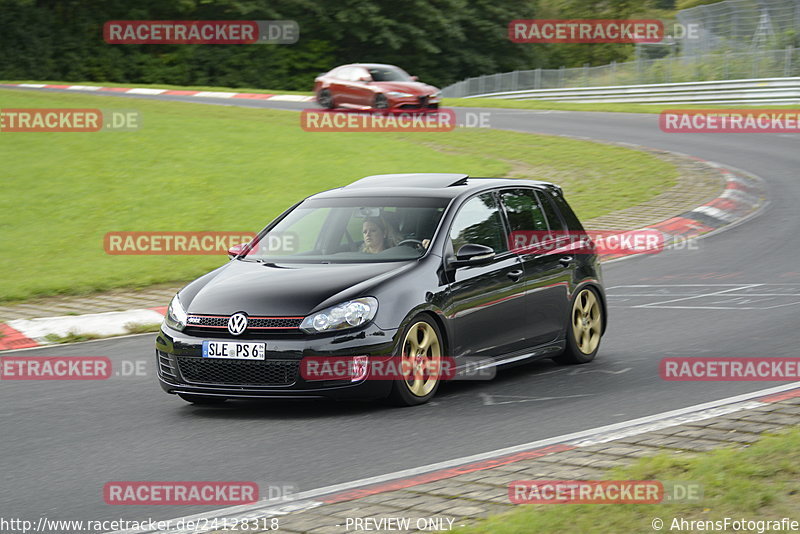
x=167 y=86
x=759 y=482
x=197 y=167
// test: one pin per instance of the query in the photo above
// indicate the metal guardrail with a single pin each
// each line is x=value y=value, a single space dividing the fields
x=761 y=91
x=718 y=66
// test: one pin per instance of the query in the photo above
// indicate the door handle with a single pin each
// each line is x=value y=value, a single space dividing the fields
x=516 y=274
x=565 y=261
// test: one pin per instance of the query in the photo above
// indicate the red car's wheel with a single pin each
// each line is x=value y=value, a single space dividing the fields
x=381 y=102
x=325 y=99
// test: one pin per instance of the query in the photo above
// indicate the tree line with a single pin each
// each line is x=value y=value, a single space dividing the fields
x=441 y=41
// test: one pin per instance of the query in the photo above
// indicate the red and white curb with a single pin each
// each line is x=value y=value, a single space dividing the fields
x=27 y=333
x=451 y=468
x=153 y=91
x=743 y=197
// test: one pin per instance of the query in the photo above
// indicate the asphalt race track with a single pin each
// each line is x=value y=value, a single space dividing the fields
x=63 y=440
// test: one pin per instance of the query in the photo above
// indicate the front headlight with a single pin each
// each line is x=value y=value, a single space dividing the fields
x=349 y=314
x=398 y=94
x=176 y=316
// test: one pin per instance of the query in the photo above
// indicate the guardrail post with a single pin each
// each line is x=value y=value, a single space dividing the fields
x=613 y=73
x=586 y=75
x=787 y=62
x=515 y=81
x=537 y=79
x=561 y=76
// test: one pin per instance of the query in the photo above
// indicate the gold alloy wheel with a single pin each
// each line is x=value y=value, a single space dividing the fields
x=421 y=355
x=586 y=321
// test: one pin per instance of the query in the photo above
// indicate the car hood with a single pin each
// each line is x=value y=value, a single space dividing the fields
x=414 y=88
x=284 y=290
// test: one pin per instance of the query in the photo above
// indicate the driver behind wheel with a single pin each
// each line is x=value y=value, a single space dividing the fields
x=378 y=235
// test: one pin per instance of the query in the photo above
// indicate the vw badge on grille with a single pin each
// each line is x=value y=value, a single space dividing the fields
x=237 y=323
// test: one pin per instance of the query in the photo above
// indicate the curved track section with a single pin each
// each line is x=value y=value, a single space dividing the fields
x=737 y=295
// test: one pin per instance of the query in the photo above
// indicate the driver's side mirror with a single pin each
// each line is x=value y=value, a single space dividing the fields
x=473 y=254
x=365 y=79
x=235 y=250
x=415 y=78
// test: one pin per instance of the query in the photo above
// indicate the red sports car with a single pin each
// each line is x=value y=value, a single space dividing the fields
x=374 y=86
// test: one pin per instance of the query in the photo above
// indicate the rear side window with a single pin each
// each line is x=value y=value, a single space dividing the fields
x=479 y=222
x=573 y=223
x=523 y=211
x=526 y=220
x=553 y=217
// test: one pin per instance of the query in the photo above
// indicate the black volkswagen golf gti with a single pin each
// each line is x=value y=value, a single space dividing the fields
x=416 y=269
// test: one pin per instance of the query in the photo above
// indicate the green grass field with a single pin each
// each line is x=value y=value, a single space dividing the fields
x=199 y=167
x=759 y=483
x=167 y=86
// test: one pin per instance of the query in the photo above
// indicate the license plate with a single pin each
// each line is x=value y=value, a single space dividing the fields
x=234 y=350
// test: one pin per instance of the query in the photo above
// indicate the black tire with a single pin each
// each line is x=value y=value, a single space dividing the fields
x=381 y=102
x=402 y=394
x=201 y=399
x=325 y=99
x=584 y=328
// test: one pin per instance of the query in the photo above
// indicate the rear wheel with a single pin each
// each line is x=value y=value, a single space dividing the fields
x=584 y=329
x=200 y=399
x=421 y=355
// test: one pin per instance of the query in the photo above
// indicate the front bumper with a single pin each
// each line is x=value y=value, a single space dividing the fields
x=182 y=369
x=413 y=103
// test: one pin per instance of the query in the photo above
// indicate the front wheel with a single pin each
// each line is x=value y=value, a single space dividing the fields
x=584 y=329
x=381 y=102
x=421 y=356
x=325 y=99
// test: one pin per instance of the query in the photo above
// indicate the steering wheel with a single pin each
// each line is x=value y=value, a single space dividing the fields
x=416 y=242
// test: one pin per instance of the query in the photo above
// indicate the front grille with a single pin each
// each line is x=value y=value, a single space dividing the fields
x=217 y=325
x=423 y=101
x=261 y=373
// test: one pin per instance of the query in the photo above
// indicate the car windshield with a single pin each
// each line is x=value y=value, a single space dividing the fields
x=389 y=74
x=352 y=230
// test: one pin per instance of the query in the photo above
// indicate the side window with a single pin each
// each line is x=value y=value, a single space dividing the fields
x=478 y=221
x=526 y=219
x=551 y=212
x=523 y=211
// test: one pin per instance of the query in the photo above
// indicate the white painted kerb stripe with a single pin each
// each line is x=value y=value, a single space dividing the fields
x=146 y=91
x=214 y=94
